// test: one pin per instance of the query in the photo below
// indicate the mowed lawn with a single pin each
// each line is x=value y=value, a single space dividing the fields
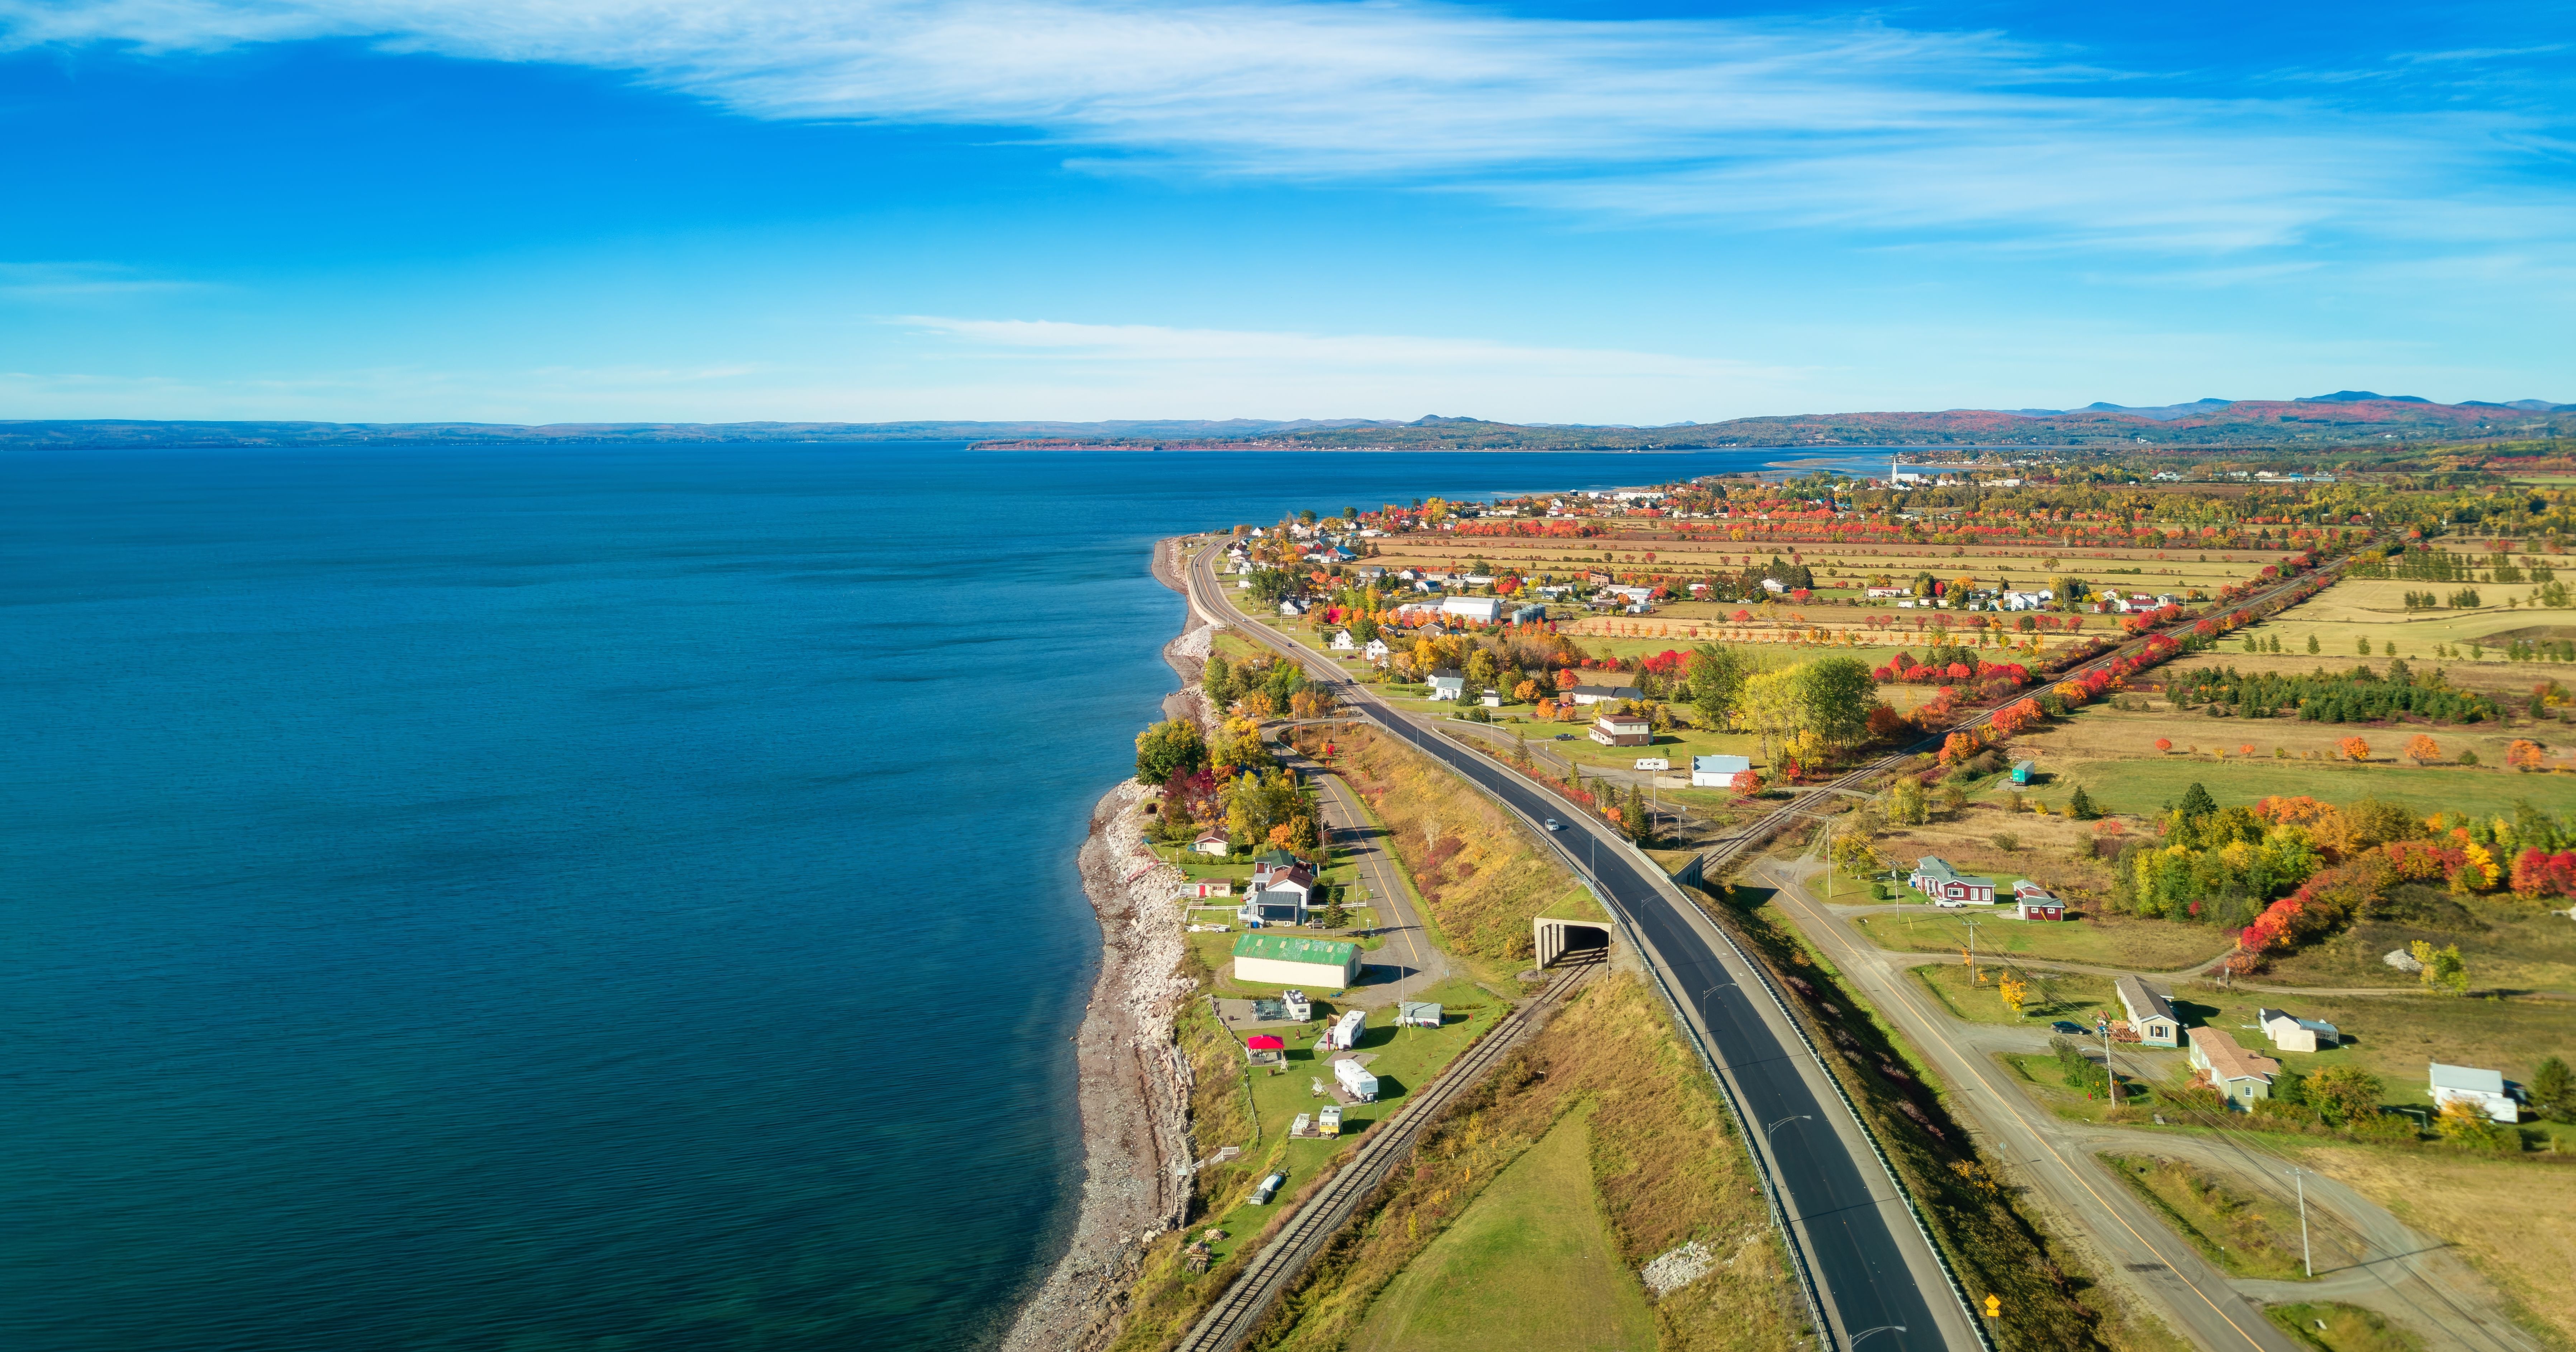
x=2144 y=786
x=1528 y=1268
x=2052 y=995
x=2105 y=941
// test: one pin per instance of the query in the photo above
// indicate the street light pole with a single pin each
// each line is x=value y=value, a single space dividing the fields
x=2307 y=1260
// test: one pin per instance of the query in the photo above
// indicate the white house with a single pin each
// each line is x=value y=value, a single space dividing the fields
x=2483 y=1090
x=2150 y=1016
x=1887 y=593
x=2028 y=600
x=1342 y=642
x=2291 y=1033
x=1596 y=694
x=1481 y=609
x=1288 y=960
x=1774 y=586
x=1376 y=650
x=1281 y=891
x=1213 y=842
x=1717 y=772
x=1448 y=684
x=1622 y=730
x=1291 y=608
x=1946 y=886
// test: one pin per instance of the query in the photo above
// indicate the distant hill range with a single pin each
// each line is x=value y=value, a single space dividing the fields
x=2345 y=417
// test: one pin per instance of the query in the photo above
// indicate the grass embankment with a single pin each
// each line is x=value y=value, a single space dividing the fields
x=1662 y=1161
x=2247 y=1234
x=2330 y=1326
x=1481 y=879
x=1527 y=1268
x=1997 y=1248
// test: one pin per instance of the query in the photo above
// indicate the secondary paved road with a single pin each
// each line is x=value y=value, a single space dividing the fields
x=1872 y=1264
x=1416 y=961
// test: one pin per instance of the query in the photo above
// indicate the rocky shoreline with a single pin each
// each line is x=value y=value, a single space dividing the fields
x=1133 y=1082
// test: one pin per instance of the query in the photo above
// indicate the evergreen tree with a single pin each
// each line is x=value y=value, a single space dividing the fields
x=1633 y=815
x=2081 y=806
x=2196 y=801
x=1218 y=681
x=2312 y=643
x=2553 y=1090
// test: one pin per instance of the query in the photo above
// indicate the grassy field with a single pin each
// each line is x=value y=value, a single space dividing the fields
x=2329 y=1326
x=1527 y=1268
x=2069 y=1101
x=1405 y=1059
x=2510 y=945
x=2143 y=785
x=2244 y=1231
x=2342 y=615
x=2511 y=1218
x=2052 y=996
x=2102 y=940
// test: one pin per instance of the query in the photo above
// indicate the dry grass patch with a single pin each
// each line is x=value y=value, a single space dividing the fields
x=2515 y=1219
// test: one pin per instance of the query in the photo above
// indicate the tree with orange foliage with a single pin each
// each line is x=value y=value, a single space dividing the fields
x=2354 y=749
x=2164 y=744
x=2523 y=755
x=2422 y=749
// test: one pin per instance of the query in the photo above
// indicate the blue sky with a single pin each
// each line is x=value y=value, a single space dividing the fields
x=551 y=210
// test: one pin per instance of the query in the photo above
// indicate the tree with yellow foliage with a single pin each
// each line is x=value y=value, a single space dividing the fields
x=2014 y=991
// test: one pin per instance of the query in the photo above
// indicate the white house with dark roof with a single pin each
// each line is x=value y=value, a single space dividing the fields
x=1596 y=694
x=2483 y=1090
x=2150 y=1016
x=1448 y=684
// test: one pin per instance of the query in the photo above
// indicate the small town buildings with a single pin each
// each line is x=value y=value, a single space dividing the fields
x=2291 y=1033
x=1212 y=842
x=1281 y=891
x=2241 y=1075
x=2149 y=1016
x=2483 y=1090
x=2028 y=600
x=1622 y=730
x=1596 y=694
x=1376 y=650
x=1448 y=684
x=1203 y=888
x=1288 y=608
x=1717 y=772
x=1417 y=1014
x=1342 y=642
x=1283 y=959
x=1887 y=593
x=1480 y=609
x=1946 y=886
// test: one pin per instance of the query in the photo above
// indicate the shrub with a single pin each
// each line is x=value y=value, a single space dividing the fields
x=2383 y=1128
x=2006 y=841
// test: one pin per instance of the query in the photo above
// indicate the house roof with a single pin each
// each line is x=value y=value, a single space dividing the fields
x=1278 y=858
x=1624 y=720
x=2228 y=1061
x=2141 y=1001
x=1289 y=948
x=1608 y=691
x=1416 y=1009
x=2467 y=1078
x=1448 y=674
x=1721 y=765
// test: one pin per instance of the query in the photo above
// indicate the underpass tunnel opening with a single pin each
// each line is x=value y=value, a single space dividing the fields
x=1569 y=940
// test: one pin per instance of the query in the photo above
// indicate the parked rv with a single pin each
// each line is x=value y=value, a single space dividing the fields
x=1269 y=1188
x=1329 y=1122
x=1356 y=1080
x=1346 y=1032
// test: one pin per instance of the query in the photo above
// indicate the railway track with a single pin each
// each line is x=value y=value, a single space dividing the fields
x=1235 y=1314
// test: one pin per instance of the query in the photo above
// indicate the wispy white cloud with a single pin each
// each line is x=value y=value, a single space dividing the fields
x=1766 y=122
x=1305 y=354
x=77 y=283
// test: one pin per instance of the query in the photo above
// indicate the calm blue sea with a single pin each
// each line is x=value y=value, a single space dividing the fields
x=602 y=898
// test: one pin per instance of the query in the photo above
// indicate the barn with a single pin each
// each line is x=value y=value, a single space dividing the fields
x=1287 y=960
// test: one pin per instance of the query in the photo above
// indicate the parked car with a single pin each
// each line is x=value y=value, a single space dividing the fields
x=2071 y=1029
x=1565 y=737
x=1554 y=825
x=1269 y=1188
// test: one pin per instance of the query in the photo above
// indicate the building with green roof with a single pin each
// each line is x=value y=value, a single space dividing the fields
x=1290 y=960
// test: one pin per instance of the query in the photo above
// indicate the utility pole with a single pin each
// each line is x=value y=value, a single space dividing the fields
x=1973 y=978
x=2298 y=1176
x=2110 y=1074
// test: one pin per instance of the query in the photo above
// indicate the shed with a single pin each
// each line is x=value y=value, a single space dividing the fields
x=1717 y=772
x=2022 y=771
x=1417 y=1014
x=2483 y=1090
x=2290 y=1033
x=2149 y=1015
x=2037 y=905
x=1599 y=694
x=1480 y=609
x=1286 y=960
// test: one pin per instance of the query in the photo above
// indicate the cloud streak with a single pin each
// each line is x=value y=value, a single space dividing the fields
x=1769 y=123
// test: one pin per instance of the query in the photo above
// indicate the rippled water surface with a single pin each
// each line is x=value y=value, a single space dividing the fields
x=605 y=898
